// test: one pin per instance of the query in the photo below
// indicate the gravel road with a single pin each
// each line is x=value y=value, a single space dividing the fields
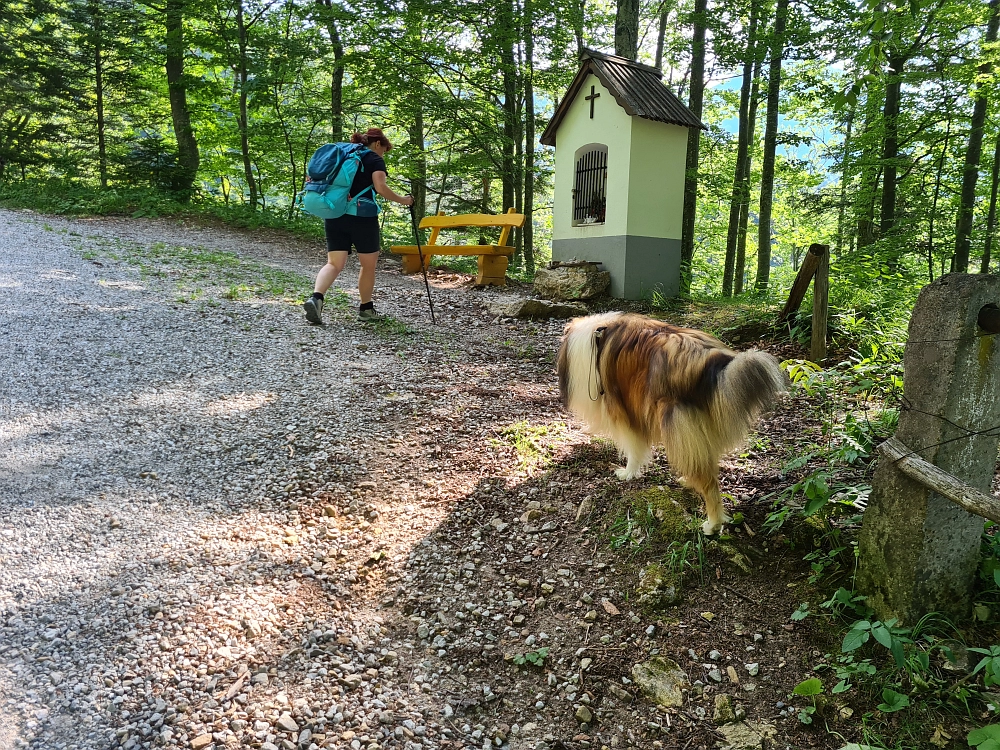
x=161 y=578
x=221 y=527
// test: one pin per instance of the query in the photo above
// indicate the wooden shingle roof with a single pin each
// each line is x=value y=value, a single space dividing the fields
x=637 y=88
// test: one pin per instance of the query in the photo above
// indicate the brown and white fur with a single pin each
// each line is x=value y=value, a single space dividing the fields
x=657 y=383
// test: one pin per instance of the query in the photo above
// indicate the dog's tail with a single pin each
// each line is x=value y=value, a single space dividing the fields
x=748 y=386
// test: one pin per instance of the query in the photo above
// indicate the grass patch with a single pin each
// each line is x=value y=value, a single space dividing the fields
x=534 y=444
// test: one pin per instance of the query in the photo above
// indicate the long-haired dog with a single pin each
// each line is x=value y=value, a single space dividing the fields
x=642 y=381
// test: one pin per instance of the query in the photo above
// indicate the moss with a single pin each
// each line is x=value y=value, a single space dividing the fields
x=669 y=509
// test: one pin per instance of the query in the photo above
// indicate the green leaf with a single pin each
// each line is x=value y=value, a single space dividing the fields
x=854 y=639
x=882 y=635
x=985 y=735
x=812 y=686
x=893 y=701
x=897 y=653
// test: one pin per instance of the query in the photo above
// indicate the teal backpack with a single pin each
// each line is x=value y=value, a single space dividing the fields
x=331 y=172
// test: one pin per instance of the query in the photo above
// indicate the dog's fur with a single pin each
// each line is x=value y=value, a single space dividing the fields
x=664 y=384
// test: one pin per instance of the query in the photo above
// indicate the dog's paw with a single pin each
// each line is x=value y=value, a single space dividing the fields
x=711 y=529
x=623 y=473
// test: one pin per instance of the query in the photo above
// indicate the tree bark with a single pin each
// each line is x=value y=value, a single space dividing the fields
x=695 y=104
x=661 y=34
x=934 y=202
x=337 y=75
x=504 y=36
x=770 y=147
x=741 y=236
x=243 y=120
x=418 y=183
x=627 y=29
x=529 y=137
x=970 y=175
x=741 y=181
x=844 y=180
x=991 y=217
x=187 y=145
x=890 y=144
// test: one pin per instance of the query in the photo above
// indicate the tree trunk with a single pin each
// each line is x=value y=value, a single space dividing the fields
x=770 y=147
x=337 y=75
x=741 y=180
x=970 y=175
x=844 y=180
x=868 y=176
x=696 y=103
x=418 y=184
x=627 y=29
x=934 y=203
x=991 y=217
x=890 y=144
x=504 y=35
x=95 y=14
x=243 y=120
x=741 y=235
x=579 y=15
x=661 y=34
x=529 y=138
x=187 y=145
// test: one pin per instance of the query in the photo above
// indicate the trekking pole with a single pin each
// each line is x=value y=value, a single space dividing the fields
x=420 y=254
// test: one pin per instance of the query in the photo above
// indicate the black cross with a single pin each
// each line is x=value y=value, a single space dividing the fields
x=591 y=100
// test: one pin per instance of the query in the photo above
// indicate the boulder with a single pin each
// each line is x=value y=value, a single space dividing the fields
x=661 y=680
x=583 y=281
x=537 y=309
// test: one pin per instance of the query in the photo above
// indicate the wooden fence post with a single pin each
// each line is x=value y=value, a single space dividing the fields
x=821 y=308
x=802 y=279
x=918 y=549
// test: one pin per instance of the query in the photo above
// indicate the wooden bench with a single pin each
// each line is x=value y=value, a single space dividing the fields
x=492 y=258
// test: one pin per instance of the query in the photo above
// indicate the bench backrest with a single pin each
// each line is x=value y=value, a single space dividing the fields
x=508 y=221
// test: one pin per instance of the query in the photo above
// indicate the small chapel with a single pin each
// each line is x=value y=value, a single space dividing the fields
x=621 y=147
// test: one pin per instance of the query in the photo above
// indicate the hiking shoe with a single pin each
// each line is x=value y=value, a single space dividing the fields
x=314 y=310
x=368 y=315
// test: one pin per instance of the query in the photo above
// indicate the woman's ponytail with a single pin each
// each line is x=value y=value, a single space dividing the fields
x=374 y=135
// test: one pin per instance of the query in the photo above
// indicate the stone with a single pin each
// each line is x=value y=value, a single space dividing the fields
x=724 y=712
x=201 y=742
x=571 y=282
x=584 y=715
x=919 y=551
x=537 y=309
x=661 y=680
x=658 y=588
x=585 y=509
x=752 y=669
x=748 y=735
x=621 y=693
x=286 y=723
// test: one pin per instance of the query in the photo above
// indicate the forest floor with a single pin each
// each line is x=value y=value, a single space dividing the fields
x=220 y=526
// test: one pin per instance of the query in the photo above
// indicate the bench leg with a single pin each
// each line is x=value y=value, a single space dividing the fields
x=411 y=263
x=492 y=270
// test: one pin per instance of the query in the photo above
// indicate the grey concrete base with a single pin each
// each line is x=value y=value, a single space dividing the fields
x=918 y=550
x=639 y=266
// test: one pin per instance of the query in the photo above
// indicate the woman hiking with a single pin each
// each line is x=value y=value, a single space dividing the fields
x=359 y=229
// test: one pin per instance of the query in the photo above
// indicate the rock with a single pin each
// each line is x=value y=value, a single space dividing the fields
x=329 y=510
x=201 y=742
x=585 y=509
x=620 y=693
x=286 y=723
x=661 y=680
x=537 y=308
x=753 y=669
x=584 y=715
x=715 y=674
x=584 y=281
x=714 y=655
x=658 y=587
x=749 y=735
x=724 y=712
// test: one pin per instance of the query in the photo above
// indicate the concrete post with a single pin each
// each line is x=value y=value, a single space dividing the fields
x=918 y=550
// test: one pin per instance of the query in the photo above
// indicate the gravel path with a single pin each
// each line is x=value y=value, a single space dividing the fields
x=221 y=527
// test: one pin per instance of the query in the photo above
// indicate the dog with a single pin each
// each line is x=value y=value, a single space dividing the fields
x=641 y=381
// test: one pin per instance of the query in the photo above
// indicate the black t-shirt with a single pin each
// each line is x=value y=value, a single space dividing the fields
x=370 y=163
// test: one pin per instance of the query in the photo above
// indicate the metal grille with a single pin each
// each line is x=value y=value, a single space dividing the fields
x=590 y=189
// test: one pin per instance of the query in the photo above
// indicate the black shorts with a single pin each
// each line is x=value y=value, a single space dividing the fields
x=359 y=231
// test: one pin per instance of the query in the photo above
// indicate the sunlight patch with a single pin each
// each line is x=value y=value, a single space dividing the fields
x=237 y=404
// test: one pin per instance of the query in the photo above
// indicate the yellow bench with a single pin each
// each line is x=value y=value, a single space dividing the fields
x=492 y=258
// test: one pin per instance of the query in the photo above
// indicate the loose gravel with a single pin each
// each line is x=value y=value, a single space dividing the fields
x=221 y=527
